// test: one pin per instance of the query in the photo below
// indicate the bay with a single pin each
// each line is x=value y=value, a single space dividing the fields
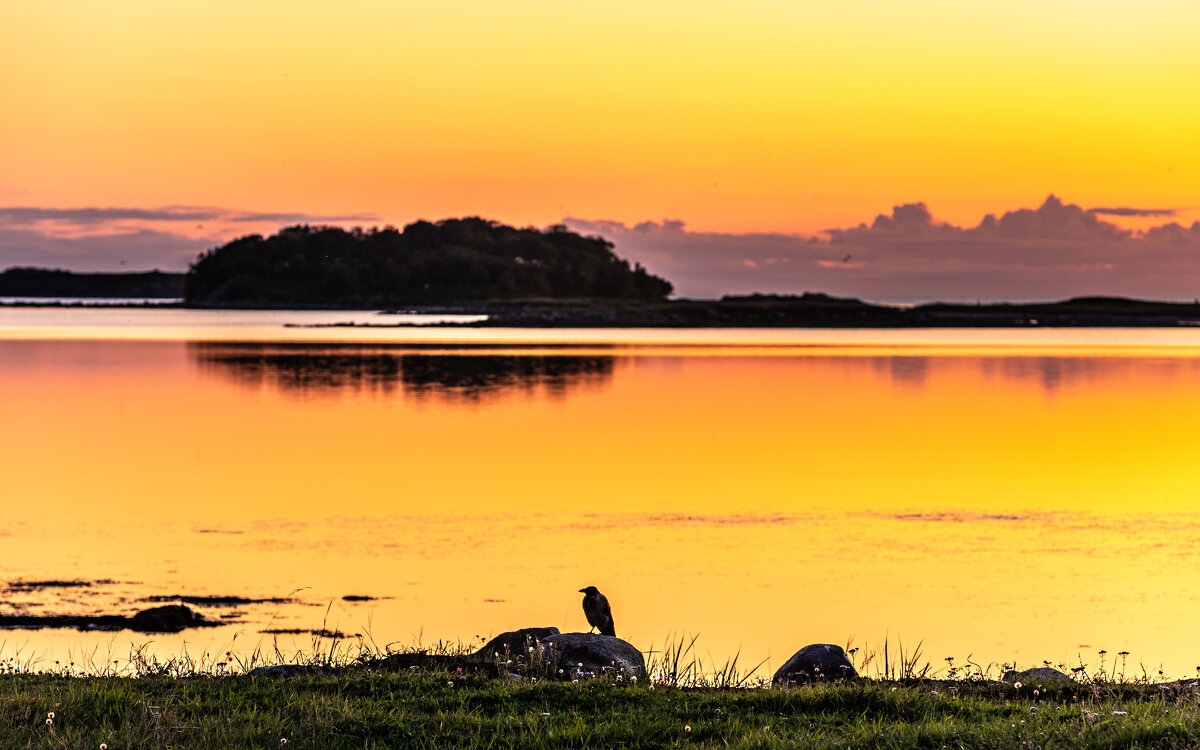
x=1013 y=495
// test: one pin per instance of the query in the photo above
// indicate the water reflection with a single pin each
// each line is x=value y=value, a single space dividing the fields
x=468 y=377
x=1051 y=374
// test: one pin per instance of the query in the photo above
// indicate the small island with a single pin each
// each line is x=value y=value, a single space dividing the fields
x=453 y=260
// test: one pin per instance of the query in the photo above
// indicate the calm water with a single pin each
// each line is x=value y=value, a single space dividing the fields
x=1014 y=495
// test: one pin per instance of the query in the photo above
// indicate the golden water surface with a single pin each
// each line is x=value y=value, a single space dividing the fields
x=1010 y=501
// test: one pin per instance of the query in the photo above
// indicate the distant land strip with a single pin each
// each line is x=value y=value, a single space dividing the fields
x=808 y=310
x=814 y=310
x=55 y=283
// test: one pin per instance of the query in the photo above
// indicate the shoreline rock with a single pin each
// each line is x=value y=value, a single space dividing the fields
x=818 y=661
x=591 y=655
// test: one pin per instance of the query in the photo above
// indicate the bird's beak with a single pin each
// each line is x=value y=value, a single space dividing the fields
x=583 y=591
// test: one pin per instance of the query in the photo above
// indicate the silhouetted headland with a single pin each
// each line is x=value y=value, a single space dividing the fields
x=47 y=282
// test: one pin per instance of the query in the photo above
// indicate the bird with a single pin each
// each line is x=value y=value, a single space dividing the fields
x=595 y=608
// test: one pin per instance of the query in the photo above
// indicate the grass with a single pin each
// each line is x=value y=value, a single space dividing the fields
x=434 y=697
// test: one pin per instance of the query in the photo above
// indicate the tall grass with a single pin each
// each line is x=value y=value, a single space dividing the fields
x=678 y=664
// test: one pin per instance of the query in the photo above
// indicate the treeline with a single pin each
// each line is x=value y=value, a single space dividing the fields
x=447 y=261
x=45 y=282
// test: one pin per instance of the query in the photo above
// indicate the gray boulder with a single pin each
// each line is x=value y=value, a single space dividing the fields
x=290 y=670
x=592 y=655
x=515 y=642
x=1038 y=673
x=820 y=661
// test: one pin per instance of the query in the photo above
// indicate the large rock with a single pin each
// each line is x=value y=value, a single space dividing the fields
x=290 y=670
x=171 y=618
x=515 y=642
x=1038 y=673
x=820 y=661
x=589 y=655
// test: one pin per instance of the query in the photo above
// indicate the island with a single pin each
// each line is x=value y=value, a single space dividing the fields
x=453 y=260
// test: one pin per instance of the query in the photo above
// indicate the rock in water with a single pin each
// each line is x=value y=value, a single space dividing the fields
x=599 y=654
x=171 y=618
x=820 y=661
x=515 y=642
x=1038 y=673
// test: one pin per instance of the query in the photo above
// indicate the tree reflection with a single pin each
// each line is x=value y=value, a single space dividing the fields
x=470 y=377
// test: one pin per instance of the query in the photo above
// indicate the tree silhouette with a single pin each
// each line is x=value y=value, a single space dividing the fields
x=450 y=260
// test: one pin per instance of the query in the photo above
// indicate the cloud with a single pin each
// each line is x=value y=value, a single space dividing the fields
x=1053 y=251
x=1144 y=212
x=32 y=214
x=21 y=215
x=137 y=250
x=106 y=239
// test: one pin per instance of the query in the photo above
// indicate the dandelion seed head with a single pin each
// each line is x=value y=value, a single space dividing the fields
x=50 y=715
x=1017 y=685
x=687 y=727
x=49 y=722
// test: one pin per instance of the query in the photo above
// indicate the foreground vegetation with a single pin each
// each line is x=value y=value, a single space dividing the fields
x=418 y=699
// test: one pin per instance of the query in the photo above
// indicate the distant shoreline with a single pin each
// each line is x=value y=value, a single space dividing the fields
x=754 y=311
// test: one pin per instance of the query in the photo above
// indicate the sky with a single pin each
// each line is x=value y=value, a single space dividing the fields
x=137 y=133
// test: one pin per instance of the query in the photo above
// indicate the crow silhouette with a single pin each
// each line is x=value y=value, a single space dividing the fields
x=595 y=608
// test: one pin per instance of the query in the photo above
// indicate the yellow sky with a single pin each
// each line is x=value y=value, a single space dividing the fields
x=771 y=115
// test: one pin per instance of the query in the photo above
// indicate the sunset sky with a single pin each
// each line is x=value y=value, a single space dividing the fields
x=136 y=133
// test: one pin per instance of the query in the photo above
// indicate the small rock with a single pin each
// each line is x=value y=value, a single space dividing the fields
x=820 y=661
x=170 y=618
x=515 y=642
x=586 y=652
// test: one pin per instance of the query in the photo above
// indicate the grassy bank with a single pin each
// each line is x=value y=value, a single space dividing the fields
x=422 y=701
